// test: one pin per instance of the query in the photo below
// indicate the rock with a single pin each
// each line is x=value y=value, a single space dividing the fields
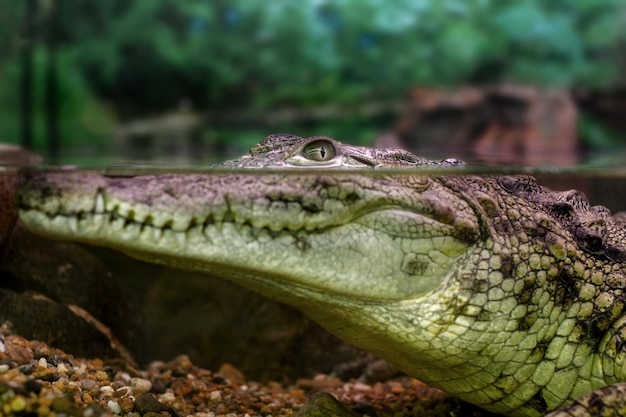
x=323 y=404
x=17 y=350
x=75 y=284
x=46 y=283
x=234 y=375
x=140 y=385
x=147 y=403
x=508 y=123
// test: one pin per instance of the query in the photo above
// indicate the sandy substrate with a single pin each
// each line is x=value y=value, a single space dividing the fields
x=36 y=380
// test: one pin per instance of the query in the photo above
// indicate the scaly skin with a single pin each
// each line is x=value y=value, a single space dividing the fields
x=494 y=289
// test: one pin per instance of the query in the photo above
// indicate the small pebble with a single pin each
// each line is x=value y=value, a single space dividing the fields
x=87 y=398
x=167 y=398
x=146 y=402
x=33 y=386
x=114 y=407
x=102 y=376
x=126 y=404
x=107 y=391
x=57 y=383
x=62 y=369
x=94 y=410
x=26 y=369
x=140 y=385
x=125 y=377
x=44 y=373
x=90 y=385
x=120 y=392
x=42 y=363
x=18 y=404
x=216 y=396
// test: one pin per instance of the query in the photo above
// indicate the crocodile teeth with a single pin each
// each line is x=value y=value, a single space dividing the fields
x=182 y=239
x=125 y=210
x=73 y=223
x=100 y=203
x=157 y=233
x=117 y=224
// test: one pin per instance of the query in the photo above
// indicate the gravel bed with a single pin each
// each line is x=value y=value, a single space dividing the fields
x=36 y=380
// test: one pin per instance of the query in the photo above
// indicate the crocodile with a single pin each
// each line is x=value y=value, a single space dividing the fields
x=495 y=289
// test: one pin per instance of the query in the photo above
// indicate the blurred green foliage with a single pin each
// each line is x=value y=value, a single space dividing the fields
x=596 y=135
x=241 y=53
x=121 y=59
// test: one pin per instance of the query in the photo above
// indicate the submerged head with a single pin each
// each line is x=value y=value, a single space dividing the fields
x=362 y=236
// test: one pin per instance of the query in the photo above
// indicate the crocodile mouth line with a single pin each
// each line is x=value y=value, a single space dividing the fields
x=124 y=232
x=121 y=219
x=132 y=216
x=78 y=223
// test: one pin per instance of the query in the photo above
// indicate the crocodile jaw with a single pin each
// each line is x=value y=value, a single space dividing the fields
x=274 y=247
x=299 y=259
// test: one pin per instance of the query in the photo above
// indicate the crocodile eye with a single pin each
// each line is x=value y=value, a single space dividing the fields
x=319 y=150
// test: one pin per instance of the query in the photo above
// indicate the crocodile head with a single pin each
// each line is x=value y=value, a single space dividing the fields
x=292 y=232
x=465 y=282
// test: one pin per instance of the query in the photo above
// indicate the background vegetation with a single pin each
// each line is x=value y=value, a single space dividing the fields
x=235 y=61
